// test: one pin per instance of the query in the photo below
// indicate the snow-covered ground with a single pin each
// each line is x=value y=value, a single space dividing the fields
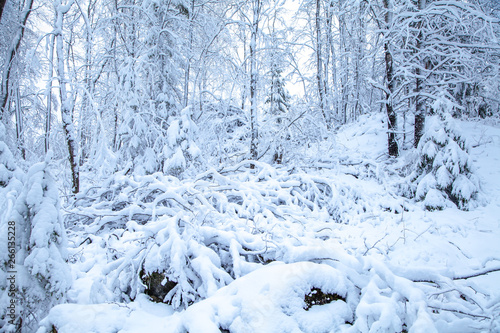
x=247 y=245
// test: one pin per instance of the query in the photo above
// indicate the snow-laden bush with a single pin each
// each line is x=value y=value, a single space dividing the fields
x=30 y=204
x=45 y=276
x=444 y=170
x=224 y=133
x=102 y=160
x=181 y=152
x=195 y=236
x=140 y=140
x=47 y=236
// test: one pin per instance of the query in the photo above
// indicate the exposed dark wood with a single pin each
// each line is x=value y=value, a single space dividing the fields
x=392 y=144
x=2 y=4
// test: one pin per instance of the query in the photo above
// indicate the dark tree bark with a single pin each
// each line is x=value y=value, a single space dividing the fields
x=66 y=104
x=419 y=87
x=2 y=4
x=48 y=117
x=391 y=114
x=419 y=109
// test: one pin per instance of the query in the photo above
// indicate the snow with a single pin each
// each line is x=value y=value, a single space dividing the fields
x=245 y=246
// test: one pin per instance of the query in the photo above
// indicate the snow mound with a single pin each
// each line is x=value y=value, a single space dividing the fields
x=270 y=299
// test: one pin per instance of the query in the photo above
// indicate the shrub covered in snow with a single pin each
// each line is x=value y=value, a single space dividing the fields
x=181 y=151
x=444 y=170
x=195 y=236
x=225 y=132
x=32 y=206
x=47 y=236
x=45 y=274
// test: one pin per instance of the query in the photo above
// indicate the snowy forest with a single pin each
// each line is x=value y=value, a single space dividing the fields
x=249 y=166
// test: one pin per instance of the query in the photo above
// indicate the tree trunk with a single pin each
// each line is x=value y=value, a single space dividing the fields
x=87 y=110
x=244 y=66
x=391 y=114
x=48 y=117
x=19 y=125
x=253 y=81
x=187 y=70
x=419 y=108
x=66 y=103
x=333 y=62
x=344 y=63
x=319 y=65
x=419 y=87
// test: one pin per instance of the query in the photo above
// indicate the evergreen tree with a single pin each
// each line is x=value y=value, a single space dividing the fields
x=181 y=151
x=444 y=172
x=278 y=98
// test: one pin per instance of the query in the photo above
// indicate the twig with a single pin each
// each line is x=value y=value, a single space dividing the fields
x=480 y=273
x=459 y=249
x=460 y=312
x=373 y=246
x=300 y=116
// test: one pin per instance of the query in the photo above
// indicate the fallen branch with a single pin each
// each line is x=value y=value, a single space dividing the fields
x=476 y=274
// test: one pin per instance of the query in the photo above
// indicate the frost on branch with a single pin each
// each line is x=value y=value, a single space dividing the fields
x=444 y=171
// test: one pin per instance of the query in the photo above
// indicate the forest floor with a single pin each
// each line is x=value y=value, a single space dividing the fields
x=387 y=264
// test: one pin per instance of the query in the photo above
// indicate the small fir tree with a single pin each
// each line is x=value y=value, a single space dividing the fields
x=278 y=101
x=181 y=152
x=444 y=170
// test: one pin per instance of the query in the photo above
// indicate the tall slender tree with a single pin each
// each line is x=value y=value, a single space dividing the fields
x=254 y=129
x=390 y=82
x=60 y=10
